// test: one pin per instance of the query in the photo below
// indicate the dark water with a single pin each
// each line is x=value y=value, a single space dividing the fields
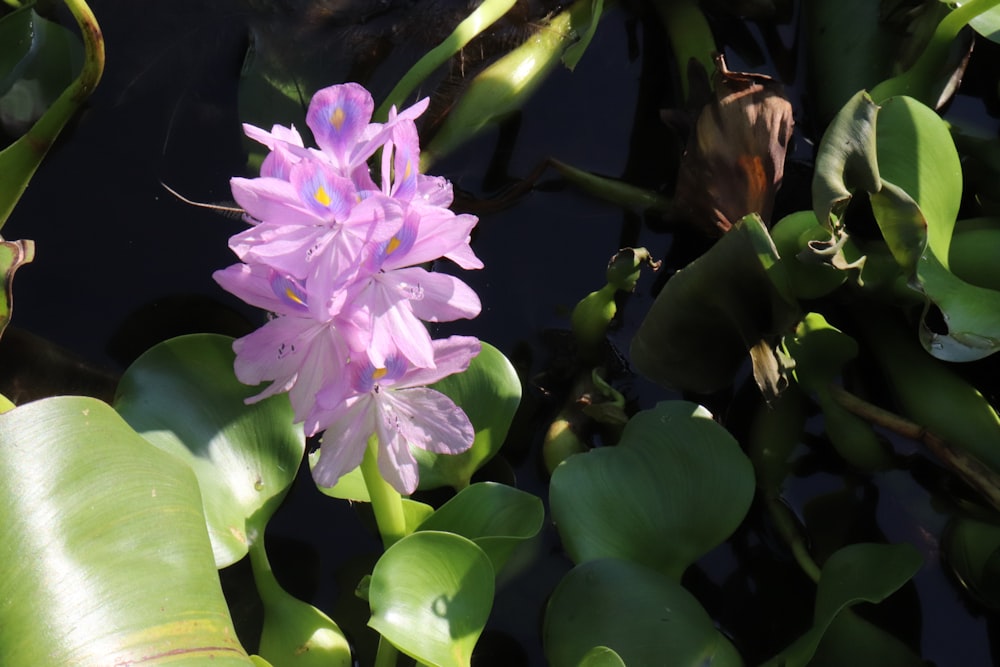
x=121 y=264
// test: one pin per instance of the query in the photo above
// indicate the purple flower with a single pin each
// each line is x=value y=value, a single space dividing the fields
x=338 y=260
x=392 y=402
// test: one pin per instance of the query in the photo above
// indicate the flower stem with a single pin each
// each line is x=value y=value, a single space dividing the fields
x=386 y=655
x=690 y=37
x=267 y=586
x=918 y=80
x=483 y=17
x=386 y=501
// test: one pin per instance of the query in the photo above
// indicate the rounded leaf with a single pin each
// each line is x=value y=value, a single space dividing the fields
x=662 y=624
x=489 y=392
x=104 y=559
x=430 y=596
x=183 y=396
x=675 y=487
x=495 y=516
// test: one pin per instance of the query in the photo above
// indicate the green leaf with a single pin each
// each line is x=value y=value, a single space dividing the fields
x=495 y=516
x=910 y=167
x=661 y=624
x=430 y=596
x=814 y=266
x=972 y=548
x=602 y=656
x=820 y=351
x=853 y=574
x=489 y=392
x=503 y=87
x=183 y=396
x=849 y=49
x=732 y=302
x=846 y=160
x=104 y=557
x=19 y=161
x=851 y=640
x=12 y=255
x=675 y=487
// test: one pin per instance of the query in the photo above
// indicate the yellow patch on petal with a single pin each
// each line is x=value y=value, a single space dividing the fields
x=292 y=296
x=321 y=196
x=379 y=373
x=393 y=244
x=337 y=118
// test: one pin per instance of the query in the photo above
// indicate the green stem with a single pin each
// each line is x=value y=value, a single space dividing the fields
x=267 y=585
x=483 y=17
x=386 y=655
x=386 y=501
x=918 y=79
x=690 y=37
x=20 y=160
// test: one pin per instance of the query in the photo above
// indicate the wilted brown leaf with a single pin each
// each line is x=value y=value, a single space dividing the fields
x=735 y=157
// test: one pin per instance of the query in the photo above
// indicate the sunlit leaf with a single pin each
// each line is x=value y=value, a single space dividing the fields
x=183 y=396
x=105 y=558
x=660 y=624
x=489 y=393
x=430 y=595
x=908 y=164
x=496 y=517
x=675 y=487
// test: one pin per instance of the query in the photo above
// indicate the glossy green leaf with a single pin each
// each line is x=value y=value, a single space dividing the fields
x=908 y=164
x=430 y=595
x=489 y=392
x=495 y=516
x=183 y=396
x=731 y=302
x=12 y=255
x=643 y=616
x=675 y=487
x=846 y=160
x=986 y=24
x=104 y=558
x=972 y=548
x=973 y=252
x=853 y=574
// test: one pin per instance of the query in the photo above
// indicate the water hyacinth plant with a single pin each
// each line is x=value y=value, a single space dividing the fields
x=750 y=441
x=336 y=258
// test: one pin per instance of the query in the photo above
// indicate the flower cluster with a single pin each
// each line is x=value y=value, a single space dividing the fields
x=335 y=256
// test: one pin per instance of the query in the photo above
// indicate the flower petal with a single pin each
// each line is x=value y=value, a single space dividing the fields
x=344 y=442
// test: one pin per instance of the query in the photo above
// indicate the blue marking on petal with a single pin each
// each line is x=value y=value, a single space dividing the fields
x=290 y=292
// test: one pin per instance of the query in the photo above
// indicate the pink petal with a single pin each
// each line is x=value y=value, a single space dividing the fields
x=344 y=442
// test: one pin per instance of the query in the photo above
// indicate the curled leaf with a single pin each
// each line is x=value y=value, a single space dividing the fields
x=735 y=159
